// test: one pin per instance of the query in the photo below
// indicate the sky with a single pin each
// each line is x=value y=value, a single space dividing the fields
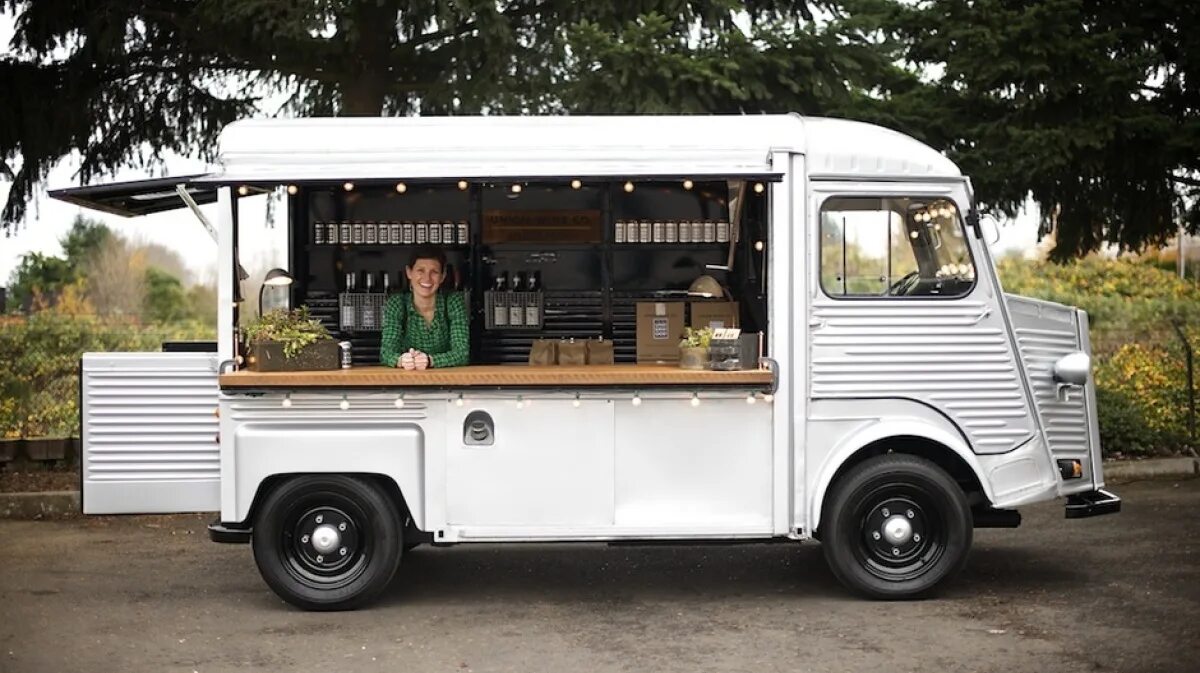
x=48 y=219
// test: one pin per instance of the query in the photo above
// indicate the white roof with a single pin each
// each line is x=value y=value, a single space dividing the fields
x=281 y=150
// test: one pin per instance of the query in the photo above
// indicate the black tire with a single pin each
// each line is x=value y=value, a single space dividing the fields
x=286 y=535
x=913 y=495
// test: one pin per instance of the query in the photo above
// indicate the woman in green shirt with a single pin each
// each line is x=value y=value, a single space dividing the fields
x=422 y=328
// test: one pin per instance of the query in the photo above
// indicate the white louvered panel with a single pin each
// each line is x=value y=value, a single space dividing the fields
x=150 y=433
x=952 y=355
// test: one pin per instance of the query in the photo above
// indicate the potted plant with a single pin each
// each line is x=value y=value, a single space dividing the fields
x=293 y=340
x=693 y=348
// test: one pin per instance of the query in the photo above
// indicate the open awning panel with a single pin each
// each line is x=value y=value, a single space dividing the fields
x=140 y=197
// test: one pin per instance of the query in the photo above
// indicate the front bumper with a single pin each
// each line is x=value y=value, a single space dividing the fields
x=1092 y=503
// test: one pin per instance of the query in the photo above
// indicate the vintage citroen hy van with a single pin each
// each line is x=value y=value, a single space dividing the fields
x=889 y=399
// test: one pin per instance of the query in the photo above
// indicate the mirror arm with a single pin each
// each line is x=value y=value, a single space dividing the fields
x=973 y=220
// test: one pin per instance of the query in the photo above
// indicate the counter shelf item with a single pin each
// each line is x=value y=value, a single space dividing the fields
x=344 y=233
x=331 y=233
x=659 y=232
x=318 y=237
x=408 y=229
x=462 y=232
x=685 y=232
x=385 y=234
x=722 y=231
x=670 y=232
x=370 y=233
x=357 y=233
x=448 y=230
x=710 y=231
x=422 y=229
x=516 y=310
x=619 y=232
x=361 y=311
x=397 y=235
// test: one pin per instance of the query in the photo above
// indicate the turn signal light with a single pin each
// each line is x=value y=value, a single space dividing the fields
x=1070 y=469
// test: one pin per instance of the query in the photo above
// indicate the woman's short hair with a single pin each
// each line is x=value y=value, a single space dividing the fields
x=427 y=251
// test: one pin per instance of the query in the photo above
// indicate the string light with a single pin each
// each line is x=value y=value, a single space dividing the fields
x=688 y=184
x=759 y=188
x=400 y=401
x=287 y=401
x=348 y=186
x=292 y=189
x=459 y=401
x=520 y=402
x=628 y=186
x=401 y=188
x=243 y=190
x=516 y=188
x=637 y=400
x=345 y=404
x=758 y=245
x=462 y=185
x=576 y=402
x=695 y=399
x=768 y=398
x=750 y=398
x=576 y=183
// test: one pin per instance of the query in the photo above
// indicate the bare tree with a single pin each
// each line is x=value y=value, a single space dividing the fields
x=116 y=275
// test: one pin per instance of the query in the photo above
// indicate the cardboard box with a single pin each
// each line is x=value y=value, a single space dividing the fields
x=659 y=329
x=713 y=314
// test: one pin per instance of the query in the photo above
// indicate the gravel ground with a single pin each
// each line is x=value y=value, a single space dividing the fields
x=30 y=481
x=1117 y=593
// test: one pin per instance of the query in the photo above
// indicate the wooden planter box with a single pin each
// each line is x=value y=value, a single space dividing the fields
x=9 y=449
x=268 y=357
x=46 y=449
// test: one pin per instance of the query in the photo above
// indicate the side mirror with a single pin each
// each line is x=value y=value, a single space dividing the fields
x=1073 y=369
x=985 y=227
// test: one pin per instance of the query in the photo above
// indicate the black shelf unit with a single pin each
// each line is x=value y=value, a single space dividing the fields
x=590 y=289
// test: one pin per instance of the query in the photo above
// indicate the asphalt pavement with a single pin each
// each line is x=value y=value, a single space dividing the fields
x=1114 y=593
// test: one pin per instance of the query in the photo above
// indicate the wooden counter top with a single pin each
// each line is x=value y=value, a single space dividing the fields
x=499 y=376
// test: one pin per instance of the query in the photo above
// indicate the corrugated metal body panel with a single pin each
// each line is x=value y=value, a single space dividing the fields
x=150 y=433
x=1046 y=332
x=953 y=355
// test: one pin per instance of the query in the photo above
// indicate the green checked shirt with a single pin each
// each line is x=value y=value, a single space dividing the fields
x=446 y=340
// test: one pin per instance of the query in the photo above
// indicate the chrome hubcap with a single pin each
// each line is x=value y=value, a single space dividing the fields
x=897 y=530
x=325 y=539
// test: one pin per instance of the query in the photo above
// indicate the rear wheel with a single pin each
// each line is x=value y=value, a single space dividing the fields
x=896 y=526
x=327 y=542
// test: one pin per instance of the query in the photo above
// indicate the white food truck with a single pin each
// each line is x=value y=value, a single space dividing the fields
x=889 y=397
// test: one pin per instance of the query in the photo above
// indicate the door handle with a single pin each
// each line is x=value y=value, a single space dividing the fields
x=987 y=310
x=816 y=323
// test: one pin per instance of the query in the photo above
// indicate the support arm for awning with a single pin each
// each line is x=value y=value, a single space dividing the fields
x=181 y=189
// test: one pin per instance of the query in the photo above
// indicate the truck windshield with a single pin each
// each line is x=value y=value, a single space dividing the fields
x=894 y=247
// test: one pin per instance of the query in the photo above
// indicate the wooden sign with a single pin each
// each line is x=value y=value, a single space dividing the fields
x=542 y=226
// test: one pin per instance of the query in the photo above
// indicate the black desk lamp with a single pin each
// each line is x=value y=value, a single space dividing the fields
x=275 y=278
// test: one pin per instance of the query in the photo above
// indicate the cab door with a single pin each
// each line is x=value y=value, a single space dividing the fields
x=906 y=308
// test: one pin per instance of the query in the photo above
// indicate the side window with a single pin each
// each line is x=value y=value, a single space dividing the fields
x=893 y=247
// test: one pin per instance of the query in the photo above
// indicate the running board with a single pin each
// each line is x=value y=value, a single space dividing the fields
x=1092 y=503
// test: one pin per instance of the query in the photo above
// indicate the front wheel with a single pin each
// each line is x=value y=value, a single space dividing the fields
x=327 y=542
x=896 y=526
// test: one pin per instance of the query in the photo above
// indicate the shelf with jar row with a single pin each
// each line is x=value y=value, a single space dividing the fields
x=357 y=232
x=671 y=231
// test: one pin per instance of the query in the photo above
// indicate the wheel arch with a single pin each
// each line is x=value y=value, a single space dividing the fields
x=269 y=483
x=942 y=446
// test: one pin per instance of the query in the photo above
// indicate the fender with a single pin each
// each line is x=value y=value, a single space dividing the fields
x=395 y=450
x=933 y=428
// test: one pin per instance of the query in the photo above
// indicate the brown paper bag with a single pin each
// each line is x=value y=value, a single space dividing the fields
x=599 y=352
x=572 y=352
x=543 y=352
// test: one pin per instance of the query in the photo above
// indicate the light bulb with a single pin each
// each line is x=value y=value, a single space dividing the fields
x=759 y=188
x=758 y=245
x=520 y=402
x=576 y=402
x=345 y=404
x=695 y=400
x=459 y=401
x=576 y=184
x=628 y=186
x=349 y=186
x=913 y=234
x=292 y=189
x=243 y=190
x=768 y=398
x=516 y=189
x=400 y=402
x=462 y=185
x=637 y=400
x=688 y=184
x=287 y=401
x=750 y=398
x=401 y=188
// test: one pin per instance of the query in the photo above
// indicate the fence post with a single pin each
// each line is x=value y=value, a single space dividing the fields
x=1191 y=386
